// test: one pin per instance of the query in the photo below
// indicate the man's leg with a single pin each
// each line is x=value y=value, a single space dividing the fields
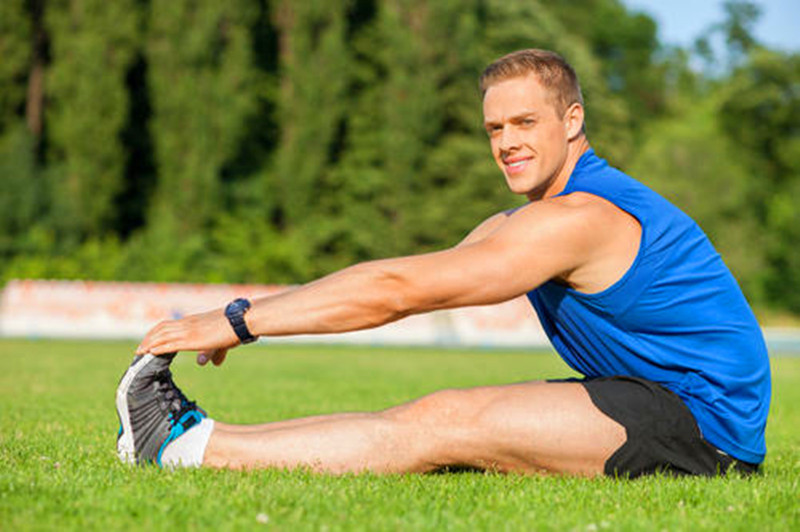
x=527 y=427
x=290 y=423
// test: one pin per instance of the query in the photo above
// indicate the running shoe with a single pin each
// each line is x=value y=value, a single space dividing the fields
x=152 y=410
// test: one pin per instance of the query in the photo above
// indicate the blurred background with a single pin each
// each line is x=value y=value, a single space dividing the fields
x=255 y=141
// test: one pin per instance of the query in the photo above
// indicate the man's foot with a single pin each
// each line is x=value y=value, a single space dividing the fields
x=152 y=411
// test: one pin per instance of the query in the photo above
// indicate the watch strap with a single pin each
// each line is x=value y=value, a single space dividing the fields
x=235 y=312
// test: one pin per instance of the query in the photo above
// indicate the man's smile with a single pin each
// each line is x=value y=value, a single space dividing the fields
x=516 y=165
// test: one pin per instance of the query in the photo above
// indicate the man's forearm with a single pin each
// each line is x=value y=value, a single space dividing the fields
x=359 y=297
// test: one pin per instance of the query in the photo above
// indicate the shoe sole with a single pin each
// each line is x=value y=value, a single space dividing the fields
x=125 y=445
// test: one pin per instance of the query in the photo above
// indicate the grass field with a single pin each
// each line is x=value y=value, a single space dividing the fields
x=58 y=467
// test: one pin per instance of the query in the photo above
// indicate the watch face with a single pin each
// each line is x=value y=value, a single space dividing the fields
x=237 y=306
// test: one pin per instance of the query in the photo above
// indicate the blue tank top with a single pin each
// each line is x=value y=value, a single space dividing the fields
x=676 y=317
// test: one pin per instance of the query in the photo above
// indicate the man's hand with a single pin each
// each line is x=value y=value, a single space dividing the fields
x=209 y=334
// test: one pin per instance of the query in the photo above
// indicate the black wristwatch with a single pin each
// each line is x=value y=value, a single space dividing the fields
x=235 y=313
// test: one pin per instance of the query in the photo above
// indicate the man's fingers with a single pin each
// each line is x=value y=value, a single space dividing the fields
x=204 y=356
x=219 y=357
x=163 y=349
x=157 y=335
x=162 y=343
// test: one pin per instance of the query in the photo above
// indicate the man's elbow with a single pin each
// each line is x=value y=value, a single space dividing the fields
x=399 y=294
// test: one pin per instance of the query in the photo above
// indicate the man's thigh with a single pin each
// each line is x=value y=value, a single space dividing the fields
x=530 y=427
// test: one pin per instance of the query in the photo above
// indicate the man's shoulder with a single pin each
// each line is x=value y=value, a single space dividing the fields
x=579 y=207
x=578 y=223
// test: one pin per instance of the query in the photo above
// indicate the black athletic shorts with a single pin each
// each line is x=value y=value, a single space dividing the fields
x=663 y=435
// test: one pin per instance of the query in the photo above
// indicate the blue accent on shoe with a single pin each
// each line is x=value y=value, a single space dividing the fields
x=186 y=422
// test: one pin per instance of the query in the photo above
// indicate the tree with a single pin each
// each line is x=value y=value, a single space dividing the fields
x=741 y=17
x=22 y=185
x=21 y=201
x=92 y=46
x=15 y=49
x=760 y=112
x=414 y=94
x=314 y=71
x=626 y=45
x=200 y=75
x=735 y=32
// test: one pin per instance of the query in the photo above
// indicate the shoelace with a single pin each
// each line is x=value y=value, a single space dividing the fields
x=172 y=397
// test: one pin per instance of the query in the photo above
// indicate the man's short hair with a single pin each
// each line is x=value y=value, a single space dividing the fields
x=552 y=71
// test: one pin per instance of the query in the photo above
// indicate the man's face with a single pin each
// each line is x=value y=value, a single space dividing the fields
x=529 y=137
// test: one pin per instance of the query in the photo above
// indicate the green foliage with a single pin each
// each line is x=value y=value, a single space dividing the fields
x=277 y=141
x=405 y=78
x=738 y=26
x=760 y=112
x=58 y=468
x=92 y=46
x=15 y=36
x=314 y=68
x=243 y=248
x=20 y=202
x=102 y=258
x=624 y=44
x=200 y=81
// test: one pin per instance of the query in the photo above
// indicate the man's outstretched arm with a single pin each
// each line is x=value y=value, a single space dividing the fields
x=542 y=241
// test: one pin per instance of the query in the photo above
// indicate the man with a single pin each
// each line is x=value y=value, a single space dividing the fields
x=628 y=288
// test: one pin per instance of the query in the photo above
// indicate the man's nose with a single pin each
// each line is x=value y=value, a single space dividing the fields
x=509 y=139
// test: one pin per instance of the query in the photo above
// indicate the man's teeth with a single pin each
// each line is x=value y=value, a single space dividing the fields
x=516 y=164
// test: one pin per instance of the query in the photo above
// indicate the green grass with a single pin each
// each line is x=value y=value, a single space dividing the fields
x=58 y=467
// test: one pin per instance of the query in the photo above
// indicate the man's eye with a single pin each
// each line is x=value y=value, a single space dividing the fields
x=528 y=121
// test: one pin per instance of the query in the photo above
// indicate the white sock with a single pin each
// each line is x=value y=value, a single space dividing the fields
x=188 y=449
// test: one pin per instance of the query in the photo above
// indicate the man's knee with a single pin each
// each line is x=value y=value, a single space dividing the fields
x=438 y=429
x=444 y=407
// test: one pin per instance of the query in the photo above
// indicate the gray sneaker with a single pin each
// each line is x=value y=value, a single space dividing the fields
x=152 y=410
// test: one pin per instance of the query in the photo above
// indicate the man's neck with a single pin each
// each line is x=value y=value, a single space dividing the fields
x=575 y=150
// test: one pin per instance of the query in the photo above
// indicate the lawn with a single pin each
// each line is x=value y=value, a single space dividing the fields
x=58 y=467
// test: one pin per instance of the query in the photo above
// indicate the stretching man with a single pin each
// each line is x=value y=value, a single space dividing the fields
x=628 y=288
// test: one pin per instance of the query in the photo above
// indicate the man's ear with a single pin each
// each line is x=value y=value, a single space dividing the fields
x=573 y=120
